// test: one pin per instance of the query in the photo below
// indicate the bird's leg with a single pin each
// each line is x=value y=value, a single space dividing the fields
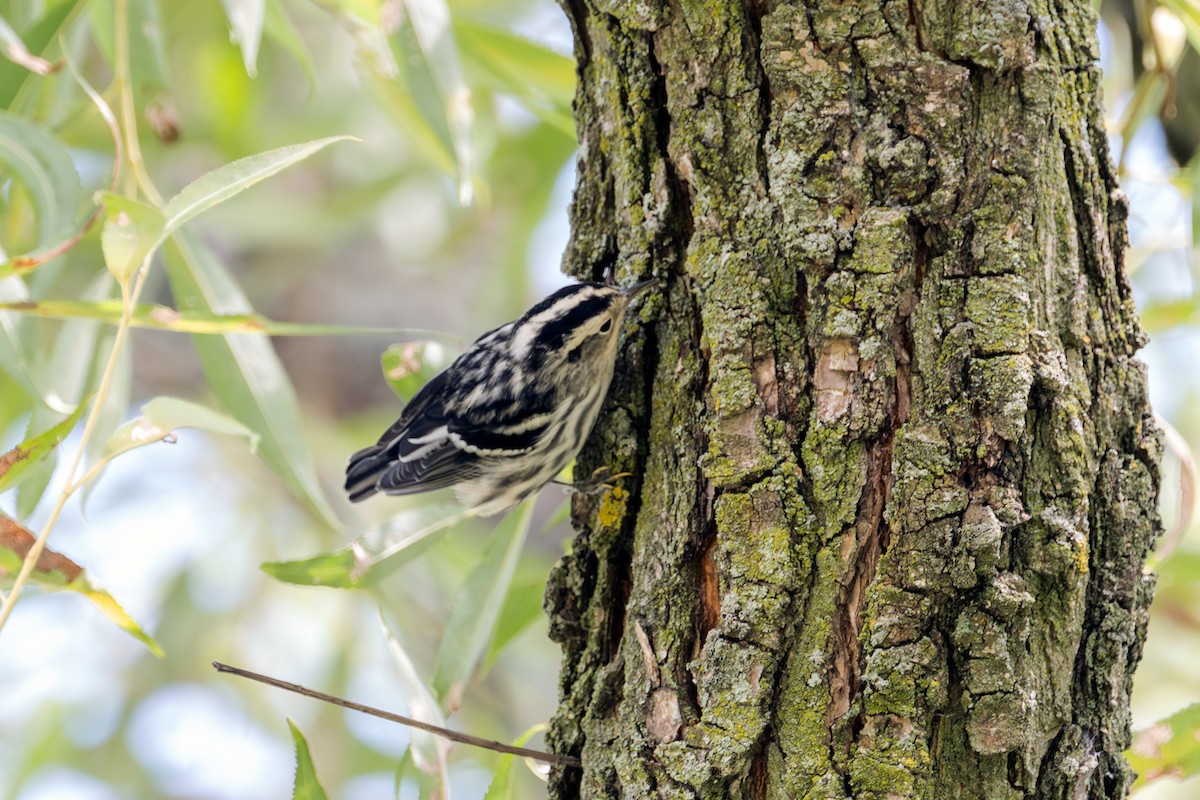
x=600 y=481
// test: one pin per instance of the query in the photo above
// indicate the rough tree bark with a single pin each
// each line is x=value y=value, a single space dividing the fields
x=895 y=473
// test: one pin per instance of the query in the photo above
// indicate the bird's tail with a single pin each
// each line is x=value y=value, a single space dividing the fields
x=364 y=470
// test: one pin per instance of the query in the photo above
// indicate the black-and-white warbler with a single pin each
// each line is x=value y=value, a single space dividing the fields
x=511 y=412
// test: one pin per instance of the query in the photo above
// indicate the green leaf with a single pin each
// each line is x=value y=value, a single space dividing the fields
x=131 y=230
x=562 y=512
x=367 y=11
x=1163 y=315
x=404 y=87
x=374 y=555
x=406 y=768
x=159 y=419
x=409 y=366
x=1148 y=94
x=1180 y=579
x=1188 y=12
x=278 y=26
x=16 y=51
x=400 y=104
x=1193 y=176
x=164 y=415
x=111 y=413
x=162 y=318
x=244 y=372
x=147 y=55
x=306 y=785
x=436 y=45
x=522 y=607
x=246 y=18
x=228 y=180
x=14 y=342
x=428 y=751
x=56 y=572
x=16 y=402
x=335 y=570
x=504 y=61
x=37 y=38
x=75 y=360
x=31 y=489
x=40 y=163
x=109 y=607
x=523 y=170
x=472 y=624
x=1169 y=748
x=501 y=787
x=65 y=378
x=370 y=40
x=17 y=462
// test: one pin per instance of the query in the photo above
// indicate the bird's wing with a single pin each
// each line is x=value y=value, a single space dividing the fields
x=505 y=426
x=444 y=444
x=416 y=407
x=444 y=433
x=444 y=465
x=415 y=454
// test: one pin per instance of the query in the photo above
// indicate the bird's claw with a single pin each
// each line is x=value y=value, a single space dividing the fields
x=600 y=481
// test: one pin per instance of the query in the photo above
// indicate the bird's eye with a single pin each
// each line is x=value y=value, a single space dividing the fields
x=607 y=326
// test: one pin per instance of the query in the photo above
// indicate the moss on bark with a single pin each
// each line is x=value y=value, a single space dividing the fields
x=895 y=470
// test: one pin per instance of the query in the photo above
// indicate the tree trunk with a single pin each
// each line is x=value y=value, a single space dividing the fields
x=894 y=468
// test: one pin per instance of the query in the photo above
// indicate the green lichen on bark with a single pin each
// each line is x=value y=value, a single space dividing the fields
x=894 y=468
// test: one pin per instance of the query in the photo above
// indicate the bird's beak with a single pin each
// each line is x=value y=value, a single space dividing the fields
x=638 y=288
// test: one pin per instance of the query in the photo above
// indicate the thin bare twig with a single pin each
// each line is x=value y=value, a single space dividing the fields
x=445 y=733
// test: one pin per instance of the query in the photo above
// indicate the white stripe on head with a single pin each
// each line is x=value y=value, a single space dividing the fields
x=529 y=329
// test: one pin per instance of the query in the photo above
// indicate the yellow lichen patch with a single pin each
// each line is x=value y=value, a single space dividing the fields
x=1082 y=555
x=612 y=506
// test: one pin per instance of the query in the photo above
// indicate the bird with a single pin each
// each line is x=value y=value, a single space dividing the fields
x=510 y=413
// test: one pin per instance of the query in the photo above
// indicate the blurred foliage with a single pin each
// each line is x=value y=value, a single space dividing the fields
x=1152 y=91
x=55 y=570
x=1169 y=748
x=130 y=274
x=131 y=269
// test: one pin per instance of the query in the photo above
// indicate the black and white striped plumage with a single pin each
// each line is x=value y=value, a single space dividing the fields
x=510 y=413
